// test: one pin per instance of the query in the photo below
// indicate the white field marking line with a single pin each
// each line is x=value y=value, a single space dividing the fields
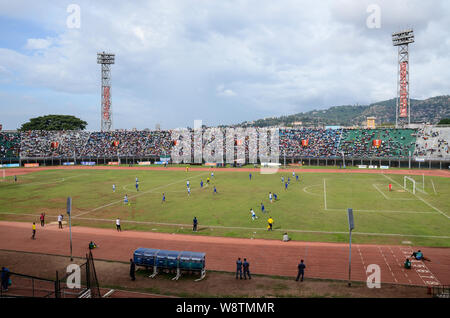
x=307 y=192
x=398 y=263
x=434 y=189
x=243 y=228
x=387 y=198
x=384 y=195
x=421 y=264
x=137 y=195
x=108 y=293
x=383 y=211
x=448 y=217
x=325 y=194
x=392 y=273
x=362 y=259
x=59 y=180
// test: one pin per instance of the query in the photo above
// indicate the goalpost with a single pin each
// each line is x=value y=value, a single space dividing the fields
x=405 y=178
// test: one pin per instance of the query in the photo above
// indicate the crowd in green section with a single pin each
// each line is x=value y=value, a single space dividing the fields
x=304 y=142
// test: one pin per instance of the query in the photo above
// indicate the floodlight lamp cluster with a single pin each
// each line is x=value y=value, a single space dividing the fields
x=105 y=58
x=402 y=37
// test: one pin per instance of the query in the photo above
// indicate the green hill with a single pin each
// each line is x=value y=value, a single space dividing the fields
x=430 y=110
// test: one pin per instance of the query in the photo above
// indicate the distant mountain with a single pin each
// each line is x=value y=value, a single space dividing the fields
x=430 y=110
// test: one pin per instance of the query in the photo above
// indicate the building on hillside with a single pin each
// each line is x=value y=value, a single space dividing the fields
x=371 y=122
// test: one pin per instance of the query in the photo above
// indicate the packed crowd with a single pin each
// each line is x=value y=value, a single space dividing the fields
x=321 y=143
x=432 y=142
x=394 y=143
x=245 y=143
x=9 y=145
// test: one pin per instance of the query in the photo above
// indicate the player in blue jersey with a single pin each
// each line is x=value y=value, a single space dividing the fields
x=187 y=183
x=250 y=176
x=189 y=191
x=137 y=185
x=262 y=208
x=286 y=186
x=296 y=177
x=125 y=199
x=201 y=184
x=215 y=190
x=163 y=198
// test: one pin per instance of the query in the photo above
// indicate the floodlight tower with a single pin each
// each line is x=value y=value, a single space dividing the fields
x=403 y=103
x=106 y=59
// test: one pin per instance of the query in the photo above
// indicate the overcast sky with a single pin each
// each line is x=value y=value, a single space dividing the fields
x=219 y=61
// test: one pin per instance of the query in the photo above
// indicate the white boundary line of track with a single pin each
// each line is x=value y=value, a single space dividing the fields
x=242 y=228
x=325 y=194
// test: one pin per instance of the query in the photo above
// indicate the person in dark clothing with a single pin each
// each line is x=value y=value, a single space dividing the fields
x=246 y=269
x=5 y=278
x=42 y=218
x=239 y=268
x=132 y=269
x=194 y=223
x=301 y=270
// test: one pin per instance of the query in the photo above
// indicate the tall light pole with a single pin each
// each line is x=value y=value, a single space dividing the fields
x=106 y=59
x=403 y=104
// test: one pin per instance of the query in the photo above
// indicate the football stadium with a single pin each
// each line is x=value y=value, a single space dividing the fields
x=316 y=210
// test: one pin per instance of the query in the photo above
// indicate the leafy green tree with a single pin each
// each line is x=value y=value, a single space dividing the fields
x=54 y=122
x=444 y=121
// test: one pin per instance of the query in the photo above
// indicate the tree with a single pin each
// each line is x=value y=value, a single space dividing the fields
x=444 y=121
x=54 y=122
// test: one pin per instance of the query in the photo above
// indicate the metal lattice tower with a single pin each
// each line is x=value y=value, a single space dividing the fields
x=106 y=59
x=403 y=104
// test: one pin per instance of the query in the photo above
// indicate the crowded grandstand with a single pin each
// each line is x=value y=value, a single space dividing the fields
x=429 y=142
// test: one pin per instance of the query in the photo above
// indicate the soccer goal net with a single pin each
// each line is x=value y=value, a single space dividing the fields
x=411 y=181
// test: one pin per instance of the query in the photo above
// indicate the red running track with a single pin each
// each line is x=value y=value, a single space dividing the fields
x=437 y=173
x=269 y=257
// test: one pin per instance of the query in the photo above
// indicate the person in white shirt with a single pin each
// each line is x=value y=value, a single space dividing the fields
x=60 y=217
x=114 y=188
x=270 y=197
x=118 y=225
x=253 y=214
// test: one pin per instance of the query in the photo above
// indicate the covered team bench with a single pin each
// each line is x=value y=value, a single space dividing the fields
x=171 y=260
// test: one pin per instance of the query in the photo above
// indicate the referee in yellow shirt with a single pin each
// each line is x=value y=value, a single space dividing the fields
x=270 y=221
x=34 y=231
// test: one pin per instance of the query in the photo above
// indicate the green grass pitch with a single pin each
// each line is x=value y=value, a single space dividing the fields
x=312 y=209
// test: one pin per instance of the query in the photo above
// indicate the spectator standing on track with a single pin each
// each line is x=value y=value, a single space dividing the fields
x=42 y=218
x=132 y=269
x=239 y=268
x=301 y=270
x=194 y=224
x=118 y=225
x=246 y=269
x=34 y=231
x=60 y=218
x=5 y=278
